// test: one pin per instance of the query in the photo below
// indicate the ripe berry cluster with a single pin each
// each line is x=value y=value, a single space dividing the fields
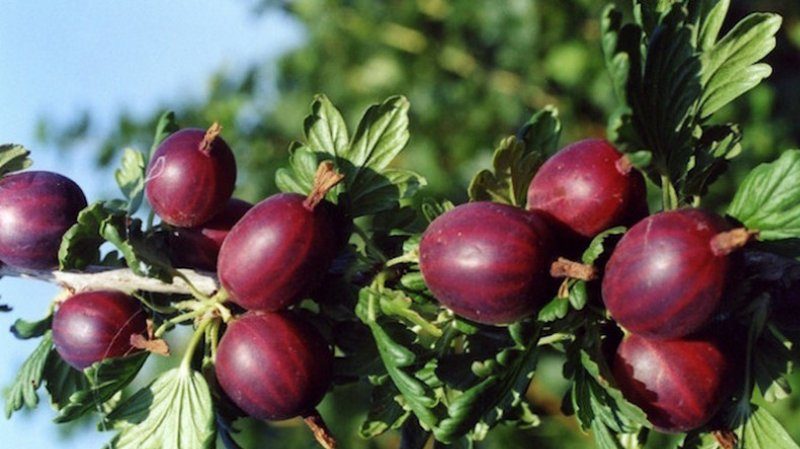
x=663 y=283
x=271 y=362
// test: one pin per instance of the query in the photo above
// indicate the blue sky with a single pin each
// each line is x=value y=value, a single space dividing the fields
x=60 y=58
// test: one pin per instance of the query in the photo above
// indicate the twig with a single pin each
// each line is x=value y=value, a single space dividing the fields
x=123 y=279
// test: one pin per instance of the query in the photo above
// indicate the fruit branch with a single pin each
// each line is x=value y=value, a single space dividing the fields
x=122 y=279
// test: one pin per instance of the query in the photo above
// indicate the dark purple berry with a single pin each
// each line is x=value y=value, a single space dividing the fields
x=680 y=384
x=664 y=278
x=274 y=365
x=36 y=209
x=588 y=187
x=277 y=252
x=487 y=262
x=93 y=326
x=191 y=177
x=198 y=247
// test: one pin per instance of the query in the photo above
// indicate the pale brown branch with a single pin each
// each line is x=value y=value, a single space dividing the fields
x=122 y=279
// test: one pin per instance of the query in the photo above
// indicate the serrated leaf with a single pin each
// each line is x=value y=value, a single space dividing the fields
x=598 y=244
x=486 y=403
x=708 y=17
x=717 y=145
x=325 y=129
x=130 y=178
x=554 y=310
x=729 y=67
x=13 y=158
x=763 y=431
x=167 y=124
x=382 y=192
x=103 y=380
x=516 y=160
x=395 y=357
x=384 y=413
x=22 y=393
x=142 y=252
x=300 y=177
x=578 y=296
x=173 y=412
x=80 y=246
x=62 y=380
x=380 y=136
x=768 y=200
x=25 y=330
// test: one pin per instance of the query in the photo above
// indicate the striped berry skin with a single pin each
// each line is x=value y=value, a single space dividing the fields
x=487 y=262
x=663 y=279
x=93 y=326
x=198 y=247
x=680 y=384
x=277 y=252
x=587 y=188
x=187 y=186
x=36 y=209
x=274 y=365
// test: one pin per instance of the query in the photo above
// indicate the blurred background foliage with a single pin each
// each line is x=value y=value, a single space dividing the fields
x=474 y=71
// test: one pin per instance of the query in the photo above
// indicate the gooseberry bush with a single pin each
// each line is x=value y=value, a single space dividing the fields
x=668 y=318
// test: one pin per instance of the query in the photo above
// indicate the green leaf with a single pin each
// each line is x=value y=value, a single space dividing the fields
x=325 y=129
x=300 y=177
x=554 y=310
x=768 y=200
x=13 y=158
x=29 y=378
x=25 y=330
x=384 y=413
x=708 y=16
x=763 y=431
x=598 y=244
x=717 y=145
x=488 y=402
x=130 y=178
x=381 y=192
x=167 y=124
x=80 y=246
x=380 y=136
x=144 y=253
x=729 y=67
x=516 y=160
x=103 y=380
x=395 y=357
x=173 y=412
x=62 y=380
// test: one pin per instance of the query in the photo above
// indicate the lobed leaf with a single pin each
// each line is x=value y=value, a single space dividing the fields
x=131 y=177
x=174 y=412
x=763 y=431
x=13 y=158
x=729 y=67
x=22 y=393
x=768 y=200
x=103 y=380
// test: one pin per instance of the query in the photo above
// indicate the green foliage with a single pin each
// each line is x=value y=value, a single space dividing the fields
x=175 y=411
x=516 y=160
x=22 y=392
x=102 y=381
x=769 y=198
x=671 y=73
x=13 y=158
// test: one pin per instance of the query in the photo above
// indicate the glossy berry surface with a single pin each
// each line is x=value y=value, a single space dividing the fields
x=36 y=209
x=680 y=384
x=198 y=247
x=277 y=252
x=487 y=262
x=663 y=279
x=274 y=365
x=93 y=326
x=187 y=182
x=587 y=188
